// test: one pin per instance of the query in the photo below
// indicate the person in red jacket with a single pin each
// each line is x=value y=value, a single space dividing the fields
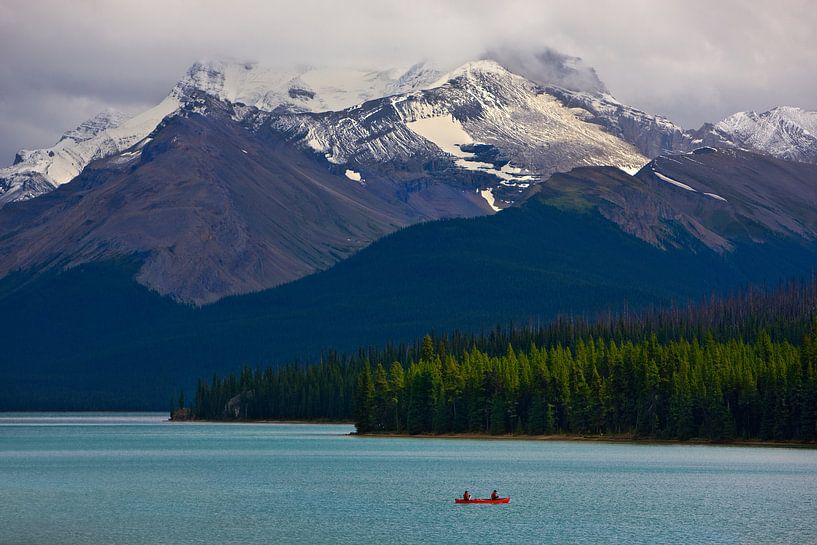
x=466 y=496
x=494 y=495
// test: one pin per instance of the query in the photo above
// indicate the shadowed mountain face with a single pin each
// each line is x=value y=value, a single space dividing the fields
x=212 y=209
x=718 y=198
x=112 y=344
x=741 y=196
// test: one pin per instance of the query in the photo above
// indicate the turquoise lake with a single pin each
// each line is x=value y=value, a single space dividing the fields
x=136 y=479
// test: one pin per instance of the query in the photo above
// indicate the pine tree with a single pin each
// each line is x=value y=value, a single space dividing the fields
x=536 y=415
x=364 y=395
x=550 y=419
x=420 y=401
x=498 y=426
x=381 y=398
x=440 y=418
x=397 y=391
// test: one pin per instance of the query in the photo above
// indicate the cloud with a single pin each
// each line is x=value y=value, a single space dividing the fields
x=548 y=66
x=693 y=60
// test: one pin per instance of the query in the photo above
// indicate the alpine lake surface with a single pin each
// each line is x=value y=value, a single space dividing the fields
x=136 y=479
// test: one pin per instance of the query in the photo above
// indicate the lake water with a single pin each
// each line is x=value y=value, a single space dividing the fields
x=135 y=479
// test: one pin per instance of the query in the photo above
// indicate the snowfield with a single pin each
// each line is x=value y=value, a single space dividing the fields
x=352 y=175
x=488 y=195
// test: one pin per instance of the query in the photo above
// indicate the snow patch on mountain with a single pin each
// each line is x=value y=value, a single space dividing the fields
x=673 y=181
x=716 y=197
x=352 y=175
x=488 y=195
x=445 y=132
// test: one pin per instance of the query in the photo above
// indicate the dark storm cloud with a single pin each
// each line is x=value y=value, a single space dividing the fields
x=693 y=61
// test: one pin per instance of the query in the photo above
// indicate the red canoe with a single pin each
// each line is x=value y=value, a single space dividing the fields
x=483 y=500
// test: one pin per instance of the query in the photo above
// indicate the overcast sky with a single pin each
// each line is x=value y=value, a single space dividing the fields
x=690 y=60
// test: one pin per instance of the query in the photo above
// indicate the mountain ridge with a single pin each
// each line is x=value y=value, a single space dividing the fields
x=307 y=89
x=184 y=189
x=448 y=151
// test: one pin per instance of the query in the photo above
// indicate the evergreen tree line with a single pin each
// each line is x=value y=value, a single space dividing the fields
x=675 y=390
x=293 y=392
x=610 y=363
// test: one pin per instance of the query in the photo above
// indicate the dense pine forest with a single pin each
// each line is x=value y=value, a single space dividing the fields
x=743 y=367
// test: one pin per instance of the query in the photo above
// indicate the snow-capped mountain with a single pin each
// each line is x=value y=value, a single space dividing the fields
x=516 y=132
x=300 y=89
x=783 y=132
x=29 y=175
x=245 y=177
x=519 y=117
x=503 y=129
x=220 y=196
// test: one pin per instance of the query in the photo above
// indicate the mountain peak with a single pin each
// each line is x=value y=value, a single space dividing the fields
x=786 y=132
x=231 y=80
x=471 y=68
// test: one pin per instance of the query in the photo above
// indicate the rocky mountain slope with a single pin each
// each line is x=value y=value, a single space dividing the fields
x=721 y=199
x=651 y=134
x=214 y=210
x=222 y=196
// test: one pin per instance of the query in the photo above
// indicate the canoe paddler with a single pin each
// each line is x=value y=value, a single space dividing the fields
x=494 y=495
x=466 y=496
